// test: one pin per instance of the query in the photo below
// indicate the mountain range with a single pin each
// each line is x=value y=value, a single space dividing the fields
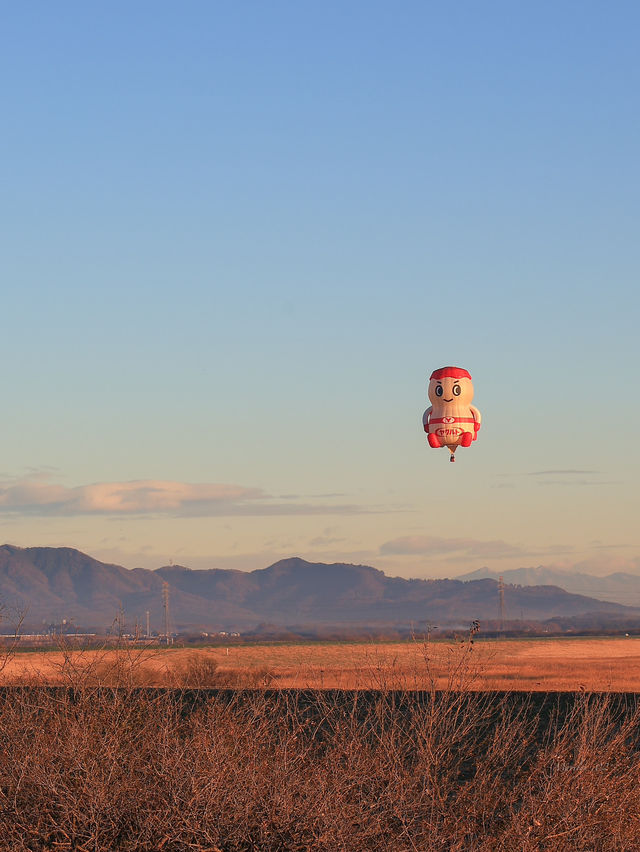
x=619 y=587
x=47 y=585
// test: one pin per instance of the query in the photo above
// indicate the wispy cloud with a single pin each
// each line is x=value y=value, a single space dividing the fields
x=328 y=537
x=602 y=563
x=566 y=477
x=38 y=495
x=580 y=482
x=433 y=545
x=562 y=473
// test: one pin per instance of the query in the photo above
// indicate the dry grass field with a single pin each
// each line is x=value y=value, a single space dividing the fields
x=598 y=664
x=91 y=768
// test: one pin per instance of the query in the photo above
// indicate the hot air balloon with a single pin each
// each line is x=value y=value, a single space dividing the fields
x=451 y=421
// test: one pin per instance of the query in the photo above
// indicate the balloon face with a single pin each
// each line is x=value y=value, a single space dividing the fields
x=449 y=390
x=451 y=421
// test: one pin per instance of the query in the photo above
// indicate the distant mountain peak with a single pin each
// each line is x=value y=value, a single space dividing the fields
x=296 y=563
x=173 y=567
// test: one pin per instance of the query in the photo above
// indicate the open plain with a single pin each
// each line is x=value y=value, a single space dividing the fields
x=556 y=664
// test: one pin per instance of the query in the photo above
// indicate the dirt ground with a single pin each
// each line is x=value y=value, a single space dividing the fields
x=529 y=664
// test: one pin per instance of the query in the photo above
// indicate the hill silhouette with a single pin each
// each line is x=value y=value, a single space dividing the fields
x=50 y=584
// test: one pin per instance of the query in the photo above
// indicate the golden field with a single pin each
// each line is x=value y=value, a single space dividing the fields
x=236 y=770
x=590 y=664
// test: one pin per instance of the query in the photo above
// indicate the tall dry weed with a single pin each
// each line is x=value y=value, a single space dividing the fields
x=105 y=762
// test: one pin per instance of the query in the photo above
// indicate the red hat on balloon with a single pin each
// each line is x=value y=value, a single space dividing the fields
x=450 y=373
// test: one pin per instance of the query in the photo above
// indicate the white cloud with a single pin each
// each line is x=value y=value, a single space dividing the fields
x=35 y=496
x=38 y=495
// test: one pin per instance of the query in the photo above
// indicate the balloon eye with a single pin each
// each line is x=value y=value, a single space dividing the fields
x=457 y=390
x=439 y=390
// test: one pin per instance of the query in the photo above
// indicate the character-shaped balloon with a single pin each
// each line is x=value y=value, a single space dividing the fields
x=451 y=421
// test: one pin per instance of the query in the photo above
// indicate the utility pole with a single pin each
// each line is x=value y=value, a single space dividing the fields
x=148 y=636
x=501 y=602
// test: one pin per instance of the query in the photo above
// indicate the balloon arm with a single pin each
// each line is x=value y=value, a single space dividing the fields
x=426 y=417
x=476 y=416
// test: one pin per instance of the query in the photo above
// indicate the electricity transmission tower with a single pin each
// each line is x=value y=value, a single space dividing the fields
x=165 y=607
x=501 y=610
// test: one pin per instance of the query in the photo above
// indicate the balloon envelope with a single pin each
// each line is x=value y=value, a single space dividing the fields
x=451 y=421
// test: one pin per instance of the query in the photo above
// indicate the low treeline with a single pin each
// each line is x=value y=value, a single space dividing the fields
x=586 y=624
x=91 y=767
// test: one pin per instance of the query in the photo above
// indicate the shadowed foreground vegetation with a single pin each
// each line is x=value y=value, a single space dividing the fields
x=91 y=767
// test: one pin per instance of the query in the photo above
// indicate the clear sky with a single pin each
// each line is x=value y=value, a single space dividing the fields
x=238 y=237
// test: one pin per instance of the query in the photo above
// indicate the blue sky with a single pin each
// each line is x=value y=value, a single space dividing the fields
x=237 y=239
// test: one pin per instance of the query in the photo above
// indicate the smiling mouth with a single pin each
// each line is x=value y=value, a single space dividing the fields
x=448 y=400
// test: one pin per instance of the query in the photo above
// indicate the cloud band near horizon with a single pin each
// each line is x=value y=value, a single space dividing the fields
x=433 y=545
x=37 y=495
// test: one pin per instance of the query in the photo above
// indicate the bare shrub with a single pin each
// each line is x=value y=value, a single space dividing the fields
x=119 y=665
x=204 y=672
x=102 y=763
